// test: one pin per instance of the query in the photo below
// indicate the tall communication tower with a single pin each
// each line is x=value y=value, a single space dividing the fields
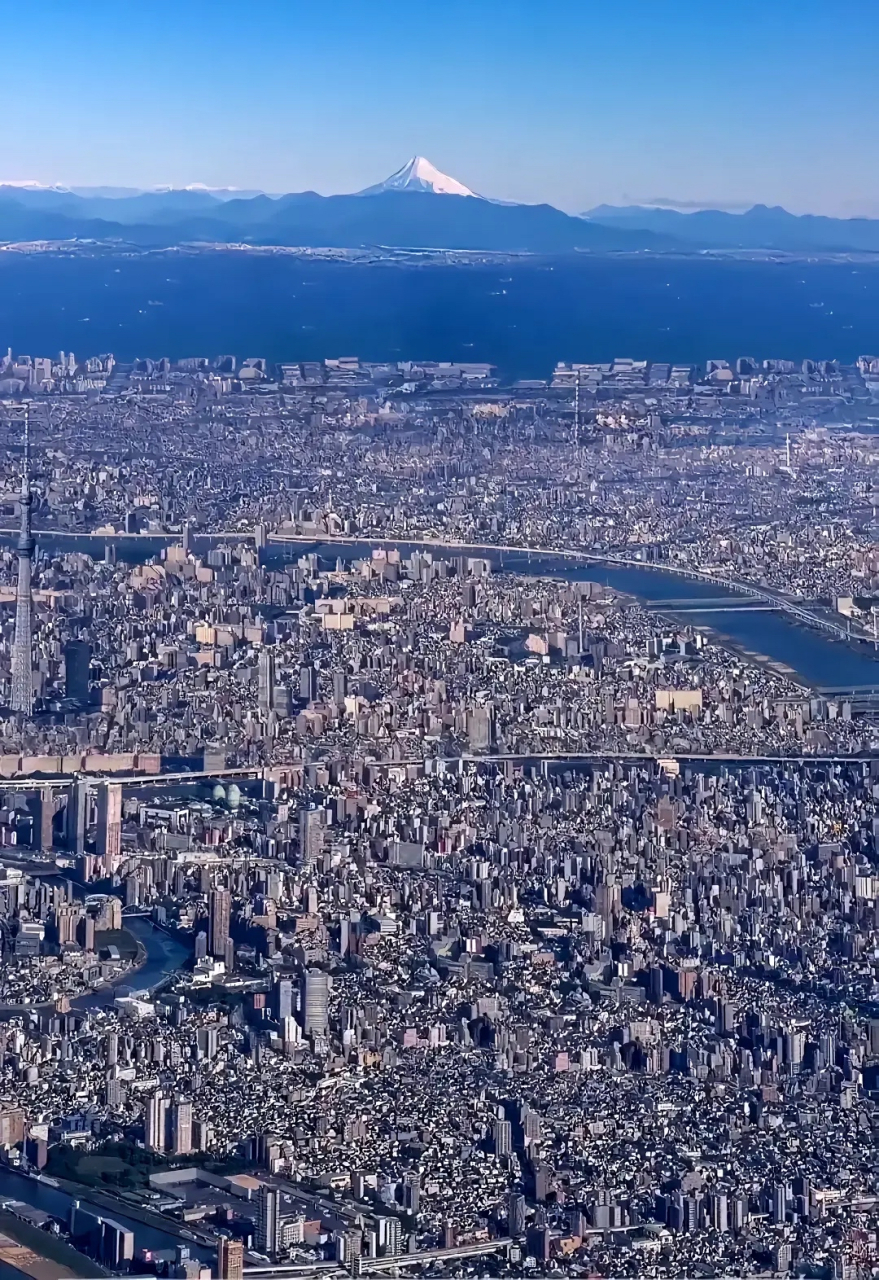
x=22 y=671
x=577 y=411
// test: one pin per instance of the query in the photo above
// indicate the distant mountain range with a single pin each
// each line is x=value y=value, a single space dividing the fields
x=416 y=207
x=761 y=227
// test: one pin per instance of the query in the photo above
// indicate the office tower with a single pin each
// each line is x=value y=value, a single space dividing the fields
x=315 y=1001
x=311 y=834
x=230 y=1259
x=208 y=1040
x=412 y=1191
x=655 y=987
x=308 y=683
x=76 y=815
x=266 y=680
x=340 y=688
x=42 y=809
x=67 y=918
x=267 y=1221
x=218 y=922
x=202 y=1135
x=283 y=999
x=77 y=664
x=779 y=1202
x=114 y=1094
x=516 y=1214
x=181 y=1128
x=502 y=1136
x=718 y=1210
x=109 y=838
x=291 y=1032
x=156 y=1121
x=391 y=1230
x=85 y=933
x=480 y=728
x=22 y=673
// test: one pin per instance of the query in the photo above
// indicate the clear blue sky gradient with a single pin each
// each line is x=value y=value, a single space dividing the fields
x=569 y=101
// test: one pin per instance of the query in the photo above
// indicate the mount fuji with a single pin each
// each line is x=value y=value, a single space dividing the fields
x=419 y=175
x=382 y=215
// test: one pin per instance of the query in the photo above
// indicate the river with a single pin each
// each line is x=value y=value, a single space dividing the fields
x=813 y=655
x=164 y=955
x=52 y=1200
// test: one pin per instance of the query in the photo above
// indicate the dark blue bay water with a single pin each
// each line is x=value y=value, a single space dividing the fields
x=522 y=316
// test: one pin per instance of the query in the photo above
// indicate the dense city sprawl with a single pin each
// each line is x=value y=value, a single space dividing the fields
x=383 y=886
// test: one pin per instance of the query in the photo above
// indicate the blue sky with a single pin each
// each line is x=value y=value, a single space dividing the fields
x=570 y=101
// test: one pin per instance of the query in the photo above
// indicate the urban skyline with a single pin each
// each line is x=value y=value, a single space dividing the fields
x=445 y=833
x=439 y=640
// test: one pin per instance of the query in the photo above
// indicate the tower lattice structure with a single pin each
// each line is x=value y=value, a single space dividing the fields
x=22 y=645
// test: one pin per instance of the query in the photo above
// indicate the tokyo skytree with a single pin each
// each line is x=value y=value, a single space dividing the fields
x=22 y=672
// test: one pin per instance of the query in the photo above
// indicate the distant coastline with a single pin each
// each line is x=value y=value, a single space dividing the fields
x=522 y=314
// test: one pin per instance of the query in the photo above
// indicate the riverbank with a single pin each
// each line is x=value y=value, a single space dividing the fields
x=157 y=956
x=800 y=651
x=121 y=979
x=790 y=644
x=60 y=1259
x=738 y=649
x=151 y=1230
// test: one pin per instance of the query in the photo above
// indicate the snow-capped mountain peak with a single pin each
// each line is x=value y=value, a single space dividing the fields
x=30 y=184
x=420 y=175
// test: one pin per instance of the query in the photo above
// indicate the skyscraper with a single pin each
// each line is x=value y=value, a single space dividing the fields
x=283 y=999
x=516 y=1213
x=109 y=839
x=181 y=1128
x=315 y=1001
x=266 y=680
x=22 y=672
x=267 y=1220
x=155 y=1121
x=412 y=1191
x=77 y=663
x=502 y=1136
x=76 y=815
x=311 y=834
x=218 y=922
x=42 y=807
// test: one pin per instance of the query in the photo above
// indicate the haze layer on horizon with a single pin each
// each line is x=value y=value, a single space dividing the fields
x=574 y=102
